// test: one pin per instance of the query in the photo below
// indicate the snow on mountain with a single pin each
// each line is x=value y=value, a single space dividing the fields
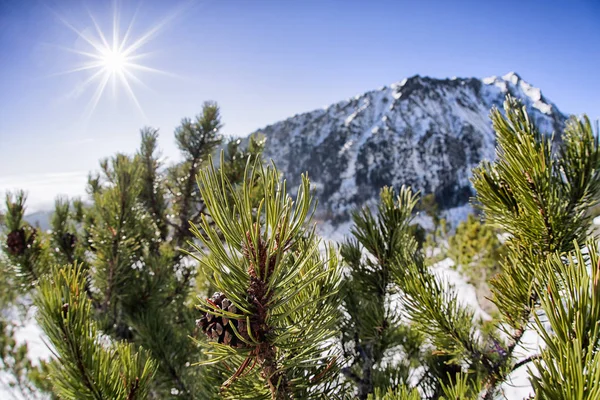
x=423 y=132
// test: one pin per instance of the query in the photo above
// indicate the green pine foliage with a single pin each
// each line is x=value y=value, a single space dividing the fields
x=23 y=247
x=276 y=313
x=399 y=394
x=569 y=366
x=526 y=194
x=153 y=195
x=196 y=140
x=89 y=368
x=14 y=362
x=477 y=251
x=435 y=311
x=476 y=248
x=127 y=244
x=15 y=366
x=118 y=241
x=206 y=281
x=460 y=387
x=539 y=195
x=374 y=331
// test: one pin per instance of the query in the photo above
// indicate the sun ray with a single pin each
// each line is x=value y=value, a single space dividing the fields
x=149 y=69
x=142 y=40
x=137 y=80
x=74 y=51
x=129 y=27
x=97 y=94
x=91 y=42
x=99 y=31
x=81 y=87
x=115 y=36
x=113 y=60
x=152 y=32
x=85 y=67
x=140 y=56
x=130 y=91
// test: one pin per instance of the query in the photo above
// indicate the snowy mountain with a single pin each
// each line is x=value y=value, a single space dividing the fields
x=423 y=132
x=40 y=219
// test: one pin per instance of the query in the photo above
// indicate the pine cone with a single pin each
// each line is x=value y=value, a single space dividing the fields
x=68 y=240
x=15 y=242
x=18 y=240
x=220 y=328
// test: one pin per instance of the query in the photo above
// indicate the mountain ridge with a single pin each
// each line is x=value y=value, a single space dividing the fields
x=424 y=132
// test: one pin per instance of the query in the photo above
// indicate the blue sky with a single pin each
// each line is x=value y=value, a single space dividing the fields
x=262 y=61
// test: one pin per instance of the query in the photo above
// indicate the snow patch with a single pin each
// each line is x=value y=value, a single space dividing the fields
x=29 y=333
x=334 y=233
x=512 y=77
x=466 y=293
x=517 y=386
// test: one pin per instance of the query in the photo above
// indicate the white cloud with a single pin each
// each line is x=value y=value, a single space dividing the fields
x=42 y=189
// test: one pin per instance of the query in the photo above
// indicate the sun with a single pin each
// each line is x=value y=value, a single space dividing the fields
x=116 y=61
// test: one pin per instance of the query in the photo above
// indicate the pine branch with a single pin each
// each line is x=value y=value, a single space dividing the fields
x=536 y=194
x=22 y=246
x=273 y=286
x=182 y=231
x=112 y=263
x=525 y=361
x=568 y=366
x=152 y=194
x=372 y=325
x=86 y=369
x=197 y=140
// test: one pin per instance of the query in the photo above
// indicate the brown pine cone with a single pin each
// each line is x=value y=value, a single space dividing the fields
x=220 y=328
x=15 y=242
x=68 y=240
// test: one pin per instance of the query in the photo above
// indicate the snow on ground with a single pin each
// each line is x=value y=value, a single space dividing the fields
x=424 y=220
x=334 y=233
x=28 y=332
x=517 y=387
x=32 y=334
x=467 y=295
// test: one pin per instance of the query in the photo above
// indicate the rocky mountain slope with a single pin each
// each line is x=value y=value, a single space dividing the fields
x=424 y=132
